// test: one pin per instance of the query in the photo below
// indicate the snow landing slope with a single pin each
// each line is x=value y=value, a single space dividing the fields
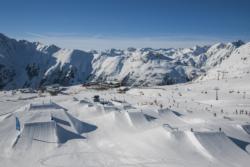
x=27 y=64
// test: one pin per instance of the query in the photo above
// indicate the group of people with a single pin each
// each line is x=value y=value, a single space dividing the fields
x=241 y=112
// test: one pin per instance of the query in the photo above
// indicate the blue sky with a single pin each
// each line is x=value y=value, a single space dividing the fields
x=100 y=24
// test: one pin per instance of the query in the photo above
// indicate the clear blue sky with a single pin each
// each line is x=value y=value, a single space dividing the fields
x=95 y=24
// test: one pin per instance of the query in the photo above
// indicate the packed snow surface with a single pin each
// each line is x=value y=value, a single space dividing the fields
x=179 y=125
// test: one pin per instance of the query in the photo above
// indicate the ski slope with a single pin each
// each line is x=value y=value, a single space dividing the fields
x=177 y=125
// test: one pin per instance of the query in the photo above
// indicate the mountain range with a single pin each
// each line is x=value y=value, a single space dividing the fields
x=32 y=64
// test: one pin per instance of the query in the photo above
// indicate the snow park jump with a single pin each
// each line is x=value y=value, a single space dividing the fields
x=125 y=83
x=49 y=123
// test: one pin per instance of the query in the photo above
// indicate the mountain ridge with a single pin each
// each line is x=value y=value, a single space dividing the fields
x=33 y=64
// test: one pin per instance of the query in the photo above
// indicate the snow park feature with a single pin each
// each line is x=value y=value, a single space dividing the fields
x=48 y=123
x=164 y=107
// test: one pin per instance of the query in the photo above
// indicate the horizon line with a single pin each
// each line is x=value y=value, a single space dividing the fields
x=105 y=42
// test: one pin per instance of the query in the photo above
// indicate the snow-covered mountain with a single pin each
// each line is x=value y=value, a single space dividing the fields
x=27 y=64
x=235 y=63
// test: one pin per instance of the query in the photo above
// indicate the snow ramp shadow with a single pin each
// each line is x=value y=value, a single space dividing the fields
x=246 y=128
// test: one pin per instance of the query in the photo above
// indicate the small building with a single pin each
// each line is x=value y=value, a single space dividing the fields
x=96 y=98
x=122 y=90
x=53 y=89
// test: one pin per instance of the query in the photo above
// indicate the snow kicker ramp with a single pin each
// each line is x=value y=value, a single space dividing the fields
x=222 y=148
x=174 y=148
x=57 y=131
x=51 y=126
x=34 y=133
x=171 y=118
x=123 y=119
x=238 y=134
x=130 y=118
x=137 y=118
x=212 y=148
x=185 y=142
